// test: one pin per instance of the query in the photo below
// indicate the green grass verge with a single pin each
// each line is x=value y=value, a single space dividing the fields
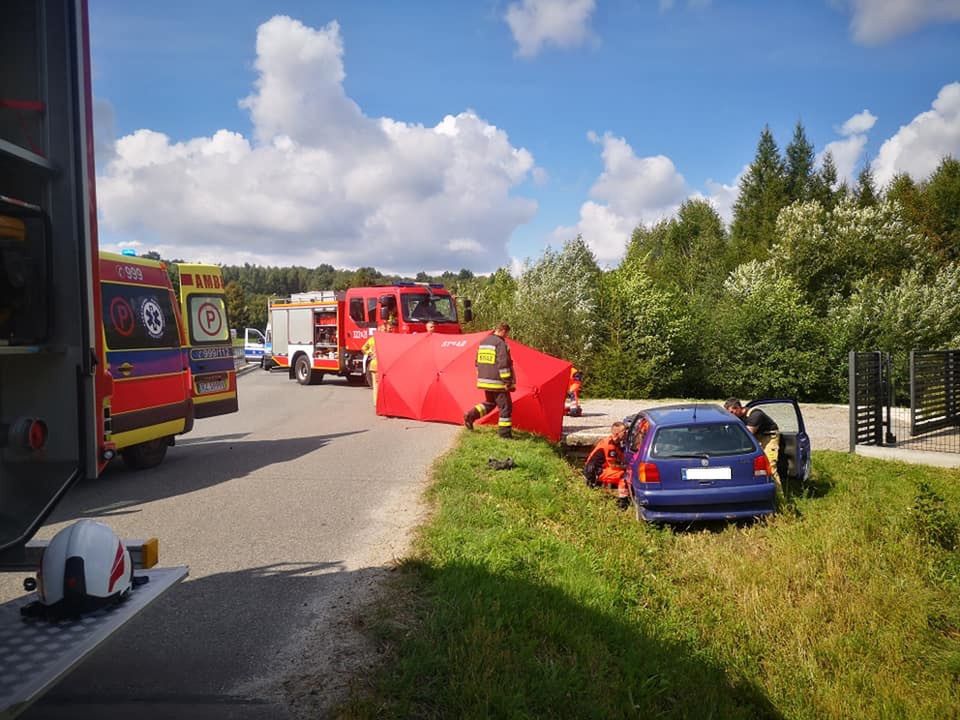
x=529 y=595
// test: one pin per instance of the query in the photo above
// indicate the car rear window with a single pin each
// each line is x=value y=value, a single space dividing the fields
x=695 y=440
x=138 y=317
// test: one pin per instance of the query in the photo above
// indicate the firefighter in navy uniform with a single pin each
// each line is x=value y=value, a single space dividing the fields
x=495 y=377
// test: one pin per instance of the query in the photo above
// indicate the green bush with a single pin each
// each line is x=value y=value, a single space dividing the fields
x=932 y=520
x=764 y=340
x=644 y=351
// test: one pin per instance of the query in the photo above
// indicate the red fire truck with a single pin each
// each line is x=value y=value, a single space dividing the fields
x=318 y=333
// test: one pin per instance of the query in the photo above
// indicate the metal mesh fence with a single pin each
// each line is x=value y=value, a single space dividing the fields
x=906 y=400
x=945 y=439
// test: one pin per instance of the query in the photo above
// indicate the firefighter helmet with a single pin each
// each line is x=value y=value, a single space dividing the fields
x=85 y=567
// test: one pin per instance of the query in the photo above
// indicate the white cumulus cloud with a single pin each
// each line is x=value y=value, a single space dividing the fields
x=848 y=151
x=319 y=181
x=723 y=196
x=860 y=123
x=537 y=23
x=876 y=21
x=918 y=147
x=630 y=191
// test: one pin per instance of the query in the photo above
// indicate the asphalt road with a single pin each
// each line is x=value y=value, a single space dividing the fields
x=286 y=514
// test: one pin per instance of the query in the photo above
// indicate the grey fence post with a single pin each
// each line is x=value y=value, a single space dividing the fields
x=853 y=399
x=889 y=438
x=950 y=383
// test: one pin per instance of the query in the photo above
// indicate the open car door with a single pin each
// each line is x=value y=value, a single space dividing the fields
x=253 y=345
x=794 y=442
x=213 y=374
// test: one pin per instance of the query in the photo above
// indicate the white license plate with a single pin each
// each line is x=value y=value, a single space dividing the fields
x=211 y=386
x=707 y=473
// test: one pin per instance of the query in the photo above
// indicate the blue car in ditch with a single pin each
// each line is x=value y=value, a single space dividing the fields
x=693 y=462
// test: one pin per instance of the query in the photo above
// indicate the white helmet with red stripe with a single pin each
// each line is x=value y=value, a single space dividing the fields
x=84 y=567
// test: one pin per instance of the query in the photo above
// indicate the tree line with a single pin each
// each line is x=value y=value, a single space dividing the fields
x=809 y=269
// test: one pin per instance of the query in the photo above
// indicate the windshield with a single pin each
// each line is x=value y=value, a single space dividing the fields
x=699 y=440
x=420 y=307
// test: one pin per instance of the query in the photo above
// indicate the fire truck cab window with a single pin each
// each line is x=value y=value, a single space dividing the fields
x=388 y=306
x=372 y=311
x=356 y=310
x=136 y=317
x=421 y=307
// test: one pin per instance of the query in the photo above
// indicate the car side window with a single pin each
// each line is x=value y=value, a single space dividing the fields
x=784 y=414
x=638 y=430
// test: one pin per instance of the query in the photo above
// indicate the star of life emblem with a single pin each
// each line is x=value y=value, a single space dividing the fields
x=152 y=317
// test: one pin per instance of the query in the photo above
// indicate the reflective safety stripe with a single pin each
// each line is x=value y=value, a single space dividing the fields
x=481 y=408
x=505 y=422
x=487 y=354
x=491 y=385
x=506 y=373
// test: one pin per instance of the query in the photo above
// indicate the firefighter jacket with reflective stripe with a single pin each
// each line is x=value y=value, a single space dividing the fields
x=370 y=350
x=494 y=364
x=605 y=463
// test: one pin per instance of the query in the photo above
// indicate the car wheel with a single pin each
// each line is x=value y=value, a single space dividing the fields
x=303 y=371
x=146 y=455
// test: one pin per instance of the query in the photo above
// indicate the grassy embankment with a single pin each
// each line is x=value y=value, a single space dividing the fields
x=529 y=595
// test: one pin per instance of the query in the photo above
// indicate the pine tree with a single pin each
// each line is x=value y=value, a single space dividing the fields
x=762 y=196
x=800 y=157
x=941 y=196
x=866 y=190
x=824 y=183
x=688 y=251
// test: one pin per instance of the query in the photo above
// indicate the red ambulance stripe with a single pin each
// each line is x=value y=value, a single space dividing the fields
x=116 y=271
x=142 y=393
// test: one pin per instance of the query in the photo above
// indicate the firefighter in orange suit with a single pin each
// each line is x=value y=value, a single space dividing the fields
x=572 y=406
x=495 y=377
x=604 y=466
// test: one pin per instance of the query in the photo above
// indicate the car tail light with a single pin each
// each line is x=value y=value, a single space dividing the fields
x=649 y=473
x=761 y=466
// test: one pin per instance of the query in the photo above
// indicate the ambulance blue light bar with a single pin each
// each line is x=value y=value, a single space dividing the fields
x=129 y=252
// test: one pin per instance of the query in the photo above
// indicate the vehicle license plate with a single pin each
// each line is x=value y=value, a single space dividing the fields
x=707 y=473
x=211 y=386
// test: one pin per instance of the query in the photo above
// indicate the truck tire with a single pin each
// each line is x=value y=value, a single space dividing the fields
x=305 y=373
x=146 y=455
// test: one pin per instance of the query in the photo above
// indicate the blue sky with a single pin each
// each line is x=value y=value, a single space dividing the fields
x=673 y=95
